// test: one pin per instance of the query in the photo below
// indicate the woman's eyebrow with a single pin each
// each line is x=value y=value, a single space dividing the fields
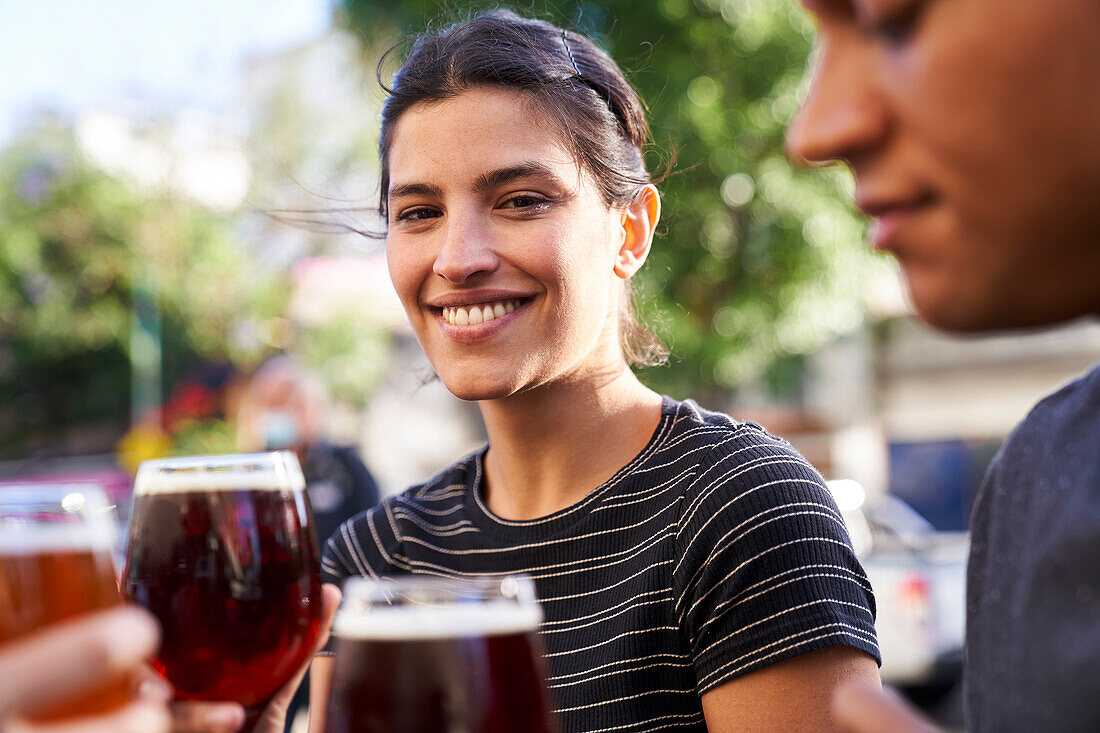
x=415 y=189
x=488 y=181
x=485 y=182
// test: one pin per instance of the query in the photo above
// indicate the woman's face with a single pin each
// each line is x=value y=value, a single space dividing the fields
x=973 y=130
x=501 y=249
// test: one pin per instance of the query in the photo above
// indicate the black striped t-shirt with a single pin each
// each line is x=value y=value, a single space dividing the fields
x=717 y=551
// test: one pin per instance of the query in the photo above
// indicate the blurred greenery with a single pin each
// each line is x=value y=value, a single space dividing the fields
x=76 y=246
x=757 y=264
x=349 y=353
x=204 y=438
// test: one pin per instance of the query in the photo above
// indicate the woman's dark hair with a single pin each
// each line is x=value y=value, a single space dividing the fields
x=568 y=77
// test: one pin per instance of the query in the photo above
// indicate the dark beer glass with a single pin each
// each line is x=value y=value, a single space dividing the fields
x=417 y=654
x=222 y=551
x=57 y=545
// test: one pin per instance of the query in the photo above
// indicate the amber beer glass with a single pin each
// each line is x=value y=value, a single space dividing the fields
x=417 y=654
x=57 y=545
x=222 y=551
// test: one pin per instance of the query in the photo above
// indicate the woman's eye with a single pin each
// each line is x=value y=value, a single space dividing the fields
x=526 y=202
x=417 y=214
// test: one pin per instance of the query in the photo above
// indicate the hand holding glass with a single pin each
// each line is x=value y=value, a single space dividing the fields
x=222 y=551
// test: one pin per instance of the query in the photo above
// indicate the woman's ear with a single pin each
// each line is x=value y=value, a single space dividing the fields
x=639 y=220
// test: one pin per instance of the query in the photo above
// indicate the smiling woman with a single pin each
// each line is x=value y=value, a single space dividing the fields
x=506 y=220
x=694 y=571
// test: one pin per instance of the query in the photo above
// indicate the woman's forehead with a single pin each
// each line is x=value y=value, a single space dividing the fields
x=505 y=117
x=474 y=133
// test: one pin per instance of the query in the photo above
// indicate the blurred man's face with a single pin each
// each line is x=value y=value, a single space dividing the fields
x=973 y=130
x=279 y=411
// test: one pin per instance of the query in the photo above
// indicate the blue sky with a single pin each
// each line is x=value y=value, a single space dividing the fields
x=69 y=54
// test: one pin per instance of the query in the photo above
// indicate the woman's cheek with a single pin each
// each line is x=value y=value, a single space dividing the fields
x=403 y=275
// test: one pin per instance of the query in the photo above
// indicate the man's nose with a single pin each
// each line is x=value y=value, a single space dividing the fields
x=844 y=115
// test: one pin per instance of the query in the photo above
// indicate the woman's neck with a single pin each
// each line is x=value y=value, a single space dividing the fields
x=551 y=446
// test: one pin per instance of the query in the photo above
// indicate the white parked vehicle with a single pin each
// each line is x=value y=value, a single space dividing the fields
x=918 y=576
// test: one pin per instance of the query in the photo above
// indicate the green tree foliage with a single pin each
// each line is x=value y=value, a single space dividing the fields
x=349 y=352
x=756 y=263
x=76 y=245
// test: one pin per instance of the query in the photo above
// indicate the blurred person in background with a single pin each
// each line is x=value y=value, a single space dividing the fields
x=282 y=407
x=973 y=130
x=50 y=666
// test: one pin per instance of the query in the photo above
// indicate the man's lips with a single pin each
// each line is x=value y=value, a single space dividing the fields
x=892 y=215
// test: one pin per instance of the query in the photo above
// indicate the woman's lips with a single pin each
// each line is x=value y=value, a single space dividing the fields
x=478 y=321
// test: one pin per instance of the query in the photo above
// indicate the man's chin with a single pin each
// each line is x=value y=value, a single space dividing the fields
x=973 y=315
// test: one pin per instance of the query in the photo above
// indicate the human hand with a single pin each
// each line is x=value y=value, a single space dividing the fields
x=228 y=717
x=207 y=717
x=52 y=665
x=862 y=708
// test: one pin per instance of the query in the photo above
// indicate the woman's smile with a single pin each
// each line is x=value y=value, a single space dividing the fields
x=477 y=320
x=478 y=313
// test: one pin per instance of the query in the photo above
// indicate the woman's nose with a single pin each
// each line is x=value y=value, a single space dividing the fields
x=844 y=116
x=466 y=250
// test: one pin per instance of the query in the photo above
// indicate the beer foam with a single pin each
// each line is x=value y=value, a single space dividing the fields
x=184 y=481
x=20 y=540
x=56 y=518
x=220 y=473
x=433 y=622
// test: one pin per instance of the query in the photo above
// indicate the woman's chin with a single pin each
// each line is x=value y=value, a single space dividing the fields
x=478 y=389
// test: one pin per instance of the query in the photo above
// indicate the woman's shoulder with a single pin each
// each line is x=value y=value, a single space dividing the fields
x=446 y=486
x=373 y=537
x=449 y=483
x=764 y=570
x=729 y=443
x=739 y=468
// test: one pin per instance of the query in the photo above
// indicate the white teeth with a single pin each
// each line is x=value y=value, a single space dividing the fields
x=476 y=314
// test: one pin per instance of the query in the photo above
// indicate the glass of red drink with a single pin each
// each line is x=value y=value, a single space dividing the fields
x=57 y=544
x=416 y=654
x=222 y=551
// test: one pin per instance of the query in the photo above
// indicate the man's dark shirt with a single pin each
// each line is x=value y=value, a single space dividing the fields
x=1033 y=591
